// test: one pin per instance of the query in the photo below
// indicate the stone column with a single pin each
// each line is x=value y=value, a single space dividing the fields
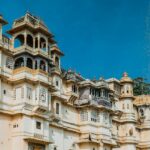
x=77 y=147
x=33 y=43
x=38 y=41
x=25 y=61
x=46 y=66
x=33 y=65
x=0 y=59
x=47 y=46
x=38 y=63
x=101 y=146
x=12 y=42
x=0 y=32
x=25 y=39
x=0 y=89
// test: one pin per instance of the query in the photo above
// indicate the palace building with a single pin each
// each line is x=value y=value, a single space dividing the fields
x=44 y=107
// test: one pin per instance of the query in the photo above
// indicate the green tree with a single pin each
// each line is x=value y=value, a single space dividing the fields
x=141 y=86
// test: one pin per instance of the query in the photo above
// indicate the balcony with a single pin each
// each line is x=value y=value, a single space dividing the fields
x=40 y=108
x=128 y=139
x=5 y=42
x=6 y=72
x=94 y=101
x=101 y=101
x=55 y=70
x=31 y=50
x=37 y=138
x=31 y=74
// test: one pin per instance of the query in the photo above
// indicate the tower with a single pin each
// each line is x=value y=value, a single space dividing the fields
x=127 y=129
x=2 y=22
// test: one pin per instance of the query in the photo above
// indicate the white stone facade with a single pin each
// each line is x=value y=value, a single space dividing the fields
x=43 y=107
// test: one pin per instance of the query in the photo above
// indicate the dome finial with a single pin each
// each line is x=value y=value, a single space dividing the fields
x=125 y=74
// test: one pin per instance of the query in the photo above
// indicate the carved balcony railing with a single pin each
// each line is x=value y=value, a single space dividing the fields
x=29 y=70
x=95 y=101
x=55 y=70
x=31 y=21
x=33 y=51
x=5 y=42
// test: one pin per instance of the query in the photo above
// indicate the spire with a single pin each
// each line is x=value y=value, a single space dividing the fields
x=2 y=21
x=126 y=78
x=125 y=74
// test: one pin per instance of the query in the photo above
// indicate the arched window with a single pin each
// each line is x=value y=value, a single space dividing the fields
x=19 y=63
x=141 y=112
x=127 y=89
x=57 y=61
x=29 y=40
x=29 y=63
x=131 y=132
x=19 y=41
x=43 y=44
x=42 y=65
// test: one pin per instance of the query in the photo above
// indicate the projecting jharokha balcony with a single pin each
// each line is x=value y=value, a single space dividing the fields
x=31 y=73
x=5 y=42
x=28 y=70
x=33 y=51
x=95 y=101
x=27 y=73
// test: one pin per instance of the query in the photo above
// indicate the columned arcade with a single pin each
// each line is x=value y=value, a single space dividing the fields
x=28 y=39
x=27 y=61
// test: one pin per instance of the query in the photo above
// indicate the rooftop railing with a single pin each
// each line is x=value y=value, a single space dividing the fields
x=5 y=42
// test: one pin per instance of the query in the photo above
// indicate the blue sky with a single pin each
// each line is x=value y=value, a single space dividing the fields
x=99 y=37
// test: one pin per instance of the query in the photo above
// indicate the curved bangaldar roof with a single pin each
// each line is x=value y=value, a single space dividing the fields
x=29 y=18
x=126 y=78
x=31 y=22
x=2 y=21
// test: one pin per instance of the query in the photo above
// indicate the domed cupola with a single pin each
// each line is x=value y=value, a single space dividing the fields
x=126 y=86
x=126 y=78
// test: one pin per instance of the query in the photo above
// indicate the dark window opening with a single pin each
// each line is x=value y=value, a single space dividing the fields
x=57 y=108
x=38 y=125
x=4 y=91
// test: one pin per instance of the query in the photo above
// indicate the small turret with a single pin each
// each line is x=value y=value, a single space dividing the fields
x=126 y=86
x=2 y=22
x=56 y=55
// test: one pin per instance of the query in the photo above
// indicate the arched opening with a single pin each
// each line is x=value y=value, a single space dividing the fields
x=43 y=44
x=19 y=41
x=19 y=63
x=57 y=61
x=141 y=112
x=29 y=40
x=36 y=42
x=42 y=65
x=29 y=63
